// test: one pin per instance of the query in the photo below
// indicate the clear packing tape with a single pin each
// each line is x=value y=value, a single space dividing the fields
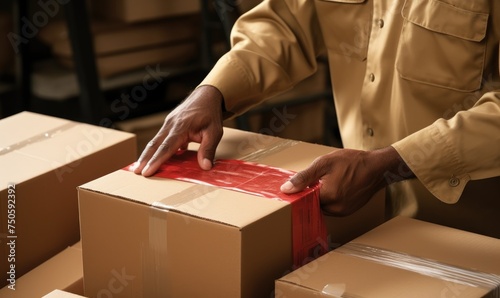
x=418 y=265
x=308 y=229
x=37 y=138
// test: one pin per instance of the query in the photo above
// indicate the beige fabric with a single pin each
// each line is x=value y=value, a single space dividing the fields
x=421 y=75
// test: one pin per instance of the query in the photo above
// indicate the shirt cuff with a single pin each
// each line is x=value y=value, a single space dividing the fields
x=429 y=154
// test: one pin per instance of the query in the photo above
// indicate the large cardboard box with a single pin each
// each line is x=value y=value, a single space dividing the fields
x=61 y=294
x=43 y=160
x=142 y=10
x=63 y=271
x=168 y=238
x=404 y=257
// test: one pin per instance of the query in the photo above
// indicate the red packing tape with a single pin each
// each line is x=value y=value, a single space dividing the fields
x=308 y=228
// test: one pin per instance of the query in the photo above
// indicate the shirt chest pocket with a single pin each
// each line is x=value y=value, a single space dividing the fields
x=346 y=26
x=443 y=44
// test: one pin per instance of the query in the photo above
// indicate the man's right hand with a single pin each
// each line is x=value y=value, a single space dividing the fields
x=197 y=119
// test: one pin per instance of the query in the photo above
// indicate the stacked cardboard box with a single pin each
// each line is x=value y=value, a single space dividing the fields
x=178 y=239
x=403 y=257
x=64 y=271
x=121 y=47
x=43 y=161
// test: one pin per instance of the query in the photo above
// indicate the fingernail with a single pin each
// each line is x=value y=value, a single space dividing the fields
x=134 y=166
x=287 y=187
x=145 y=170
x=206 y=164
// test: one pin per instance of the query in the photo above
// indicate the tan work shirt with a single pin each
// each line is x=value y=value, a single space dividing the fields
x=420 y=75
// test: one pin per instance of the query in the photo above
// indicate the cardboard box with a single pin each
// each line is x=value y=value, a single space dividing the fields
x=175 y=55
x=61 y=294
x=211 y=242
x=43 y=160
x=404 y=257
x=139 y=10
x=111 y=37
x=63 y=271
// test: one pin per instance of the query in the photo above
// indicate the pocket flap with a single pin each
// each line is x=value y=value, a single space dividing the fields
x=447 y=19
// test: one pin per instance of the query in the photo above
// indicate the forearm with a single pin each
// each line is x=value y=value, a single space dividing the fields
x=392 y=167
x=273 y=49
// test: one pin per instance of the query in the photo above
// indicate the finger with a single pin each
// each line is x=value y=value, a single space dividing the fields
x=206 y=152
x=164 y=151
x=146 y=155
x=304 y=178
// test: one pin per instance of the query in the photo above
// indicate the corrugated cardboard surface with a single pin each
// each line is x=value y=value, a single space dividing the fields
x=210 y=242
x=61 y=294
x=46 y=158
x=63 y=271
x=354 y=276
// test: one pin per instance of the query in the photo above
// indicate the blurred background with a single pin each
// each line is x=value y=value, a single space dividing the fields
x=126 y=63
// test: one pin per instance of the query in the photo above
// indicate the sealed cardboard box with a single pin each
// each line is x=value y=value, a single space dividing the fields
x=403 y=257
x=61 y=294
x=43 y=160
x=140 y=10
x=63 y=271
x=173 y=238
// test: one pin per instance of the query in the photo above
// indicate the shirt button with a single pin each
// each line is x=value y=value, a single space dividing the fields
x=380 y=23
x=369 y=131
x=454 y=181
x=371 y=77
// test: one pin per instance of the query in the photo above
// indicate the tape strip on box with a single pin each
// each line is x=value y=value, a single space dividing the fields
x=309 y=231
x=38 y=138
x=423 y=266
x=309 y=240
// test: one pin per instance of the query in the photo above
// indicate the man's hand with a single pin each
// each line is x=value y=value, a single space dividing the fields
x=349 y=178
x=197 y=119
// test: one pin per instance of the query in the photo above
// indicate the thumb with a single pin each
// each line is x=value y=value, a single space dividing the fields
x=299 y=182
x=307 y=177
x=206 y=152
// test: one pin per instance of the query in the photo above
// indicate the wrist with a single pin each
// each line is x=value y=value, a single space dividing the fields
x=215 y=94
x=393 y=168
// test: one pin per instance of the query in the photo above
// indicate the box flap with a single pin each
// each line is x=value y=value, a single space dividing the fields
x=203 y=201
x=350 y=275
x=26 y=125
x=296 y=157
x=436 y=242
x=39 y=144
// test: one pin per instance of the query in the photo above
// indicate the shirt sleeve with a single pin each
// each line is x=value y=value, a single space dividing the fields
x=273 y=48
x=449 y=153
